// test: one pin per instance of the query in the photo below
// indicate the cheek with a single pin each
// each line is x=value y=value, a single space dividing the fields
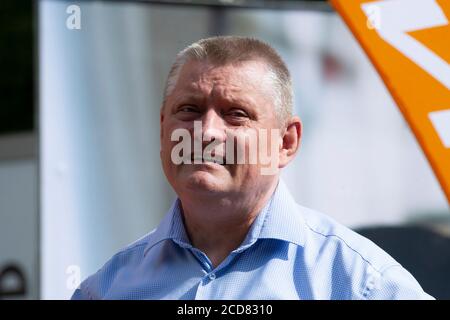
x=166 y=139
x=166 y=151
x=165 y=146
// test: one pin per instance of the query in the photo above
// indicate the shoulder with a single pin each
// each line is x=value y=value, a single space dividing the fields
x=129 y=258
x=322 y=230
x=372 y=272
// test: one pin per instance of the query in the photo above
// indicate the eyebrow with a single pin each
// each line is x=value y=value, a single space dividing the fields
x=191 y=93
x=195 y=98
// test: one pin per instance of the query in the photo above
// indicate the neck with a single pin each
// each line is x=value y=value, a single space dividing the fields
x=218 y=225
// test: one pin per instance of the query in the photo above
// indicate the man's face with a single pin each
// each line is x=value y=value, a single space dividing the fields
x=222 y=101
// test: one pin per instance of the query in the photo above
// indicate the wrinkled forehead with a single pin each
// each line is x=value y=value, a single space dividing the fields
x=246 y=77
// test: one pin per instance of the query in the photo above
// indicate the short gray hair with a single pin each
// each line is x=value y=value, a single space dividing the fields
x=233 y=50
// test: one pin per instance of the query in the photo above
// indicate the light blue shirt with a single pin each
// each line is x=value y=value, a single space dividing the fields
x=290 y=252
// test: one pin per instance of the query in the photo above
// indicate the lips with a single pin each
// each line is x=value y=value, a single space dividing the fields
x=203 y=160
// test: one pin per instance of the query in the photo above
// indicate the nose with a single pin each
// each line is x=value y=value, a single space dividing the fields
x=213 y=126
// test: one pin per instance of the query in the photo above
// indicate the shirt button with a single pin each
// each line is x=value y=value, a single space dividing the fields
x=212 y=276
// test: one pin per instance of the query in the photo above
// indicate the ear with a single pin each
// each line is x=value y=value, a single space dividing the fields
x=290 y=142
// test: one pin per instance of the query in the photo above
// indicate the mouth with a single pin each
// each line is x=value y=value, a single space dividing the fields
x=207 y=160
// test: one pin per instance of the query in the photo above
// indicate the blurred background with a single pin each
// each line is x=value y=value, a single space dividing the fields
x=80 y=177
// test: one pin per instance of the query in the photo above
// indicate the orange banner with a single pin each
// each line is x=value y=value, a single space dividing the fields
x=408 y=42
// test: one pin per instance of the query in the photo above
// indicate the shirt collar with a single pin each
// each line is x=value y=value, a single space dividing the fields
x=280 y=219
x=284 y=220
x=171 y=227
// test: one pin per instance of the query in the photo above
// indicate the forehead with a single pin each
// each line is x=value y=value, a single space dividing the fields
x=238 y=79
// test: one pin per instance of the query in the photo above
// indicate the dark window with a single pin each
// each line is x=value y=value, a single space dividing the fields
x=16 y=66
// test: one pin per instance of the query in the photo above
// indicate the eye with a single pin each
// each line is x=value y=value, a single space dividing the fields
x=237 y=113
x=188 y=108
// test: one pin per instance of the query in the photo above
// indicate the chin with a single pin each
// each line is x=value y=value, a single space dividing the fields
x=205 y=181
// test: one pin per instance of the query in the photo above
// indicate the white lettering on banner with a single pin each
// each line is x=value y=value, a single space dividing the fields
x=441 y=123
x=373 y=17
x=402 y=16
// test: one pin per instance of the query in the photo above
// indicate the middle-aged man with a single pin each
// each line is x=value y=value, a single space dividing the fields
x=235 y=231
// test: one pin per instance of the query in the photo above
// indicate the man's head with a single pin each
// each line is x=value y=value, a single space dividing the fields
x=234 y=50
x=236 y=92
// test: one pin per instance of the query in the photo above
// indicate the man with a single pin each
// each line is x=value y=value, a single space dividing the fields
x=235 y=232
